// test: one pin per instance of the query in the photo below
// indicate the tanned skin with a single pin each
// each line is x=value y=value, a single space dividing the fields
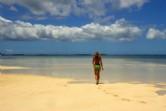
x=97 y=60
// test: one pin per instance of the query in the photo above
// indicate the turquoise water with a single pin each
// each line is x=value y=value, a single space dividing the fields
x=80 y=68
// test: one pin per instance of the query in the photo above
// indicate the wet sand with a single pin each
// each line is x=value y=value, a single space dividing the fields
x=11 y=67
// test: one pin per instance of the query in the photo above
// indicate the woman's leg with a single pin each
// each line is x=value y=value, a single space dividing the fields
x=97 y=76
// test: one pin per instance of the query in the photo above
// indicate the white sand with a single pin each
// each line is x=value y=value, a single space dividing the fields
x=39 y=93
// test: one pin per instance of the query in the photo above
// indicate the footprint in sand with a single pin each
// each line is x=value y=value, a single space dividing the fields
x=103 y=90
x=65 y=85
x=143 y=102
x=99 y=87
x=106 y=92
x=115 y=95
x=125 y=99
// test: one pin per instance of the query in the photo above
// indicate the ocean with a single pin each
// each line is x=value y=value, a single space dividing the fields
x=79 y=68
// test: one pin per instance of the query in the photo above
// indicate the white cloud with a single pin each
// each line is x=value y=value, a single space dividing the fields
x=154 y=33
x=120 y=30
x=38 y=7
x=3 y=20
x=121 y=4
x=63 y=8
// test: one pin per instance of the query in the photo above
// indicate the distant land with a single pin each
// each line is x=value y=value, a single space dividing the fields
x=87 y=55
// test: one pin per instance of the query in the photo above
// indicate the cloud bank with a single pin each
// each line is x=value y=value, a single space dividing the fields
x=76 y=7
x=154 y=33
x=20 y=30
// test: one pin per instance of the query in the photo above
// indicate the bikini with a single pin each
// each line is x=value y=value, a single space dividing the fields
x=97 y=66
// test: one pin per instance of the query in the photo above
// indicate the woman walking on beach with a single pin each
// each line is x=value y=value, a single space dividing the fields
x=97 y=65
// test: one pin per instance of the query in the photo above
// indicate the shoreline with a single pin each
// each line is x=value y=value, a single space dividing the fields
x=2 y=67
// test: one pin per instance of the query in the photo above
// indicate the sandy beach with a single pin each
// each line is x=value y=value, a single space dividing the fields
x=26 y=92
x=82 y=55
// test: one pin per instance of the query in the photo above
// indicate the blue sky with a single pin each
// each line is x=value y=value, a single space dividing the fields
x=83 y=26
